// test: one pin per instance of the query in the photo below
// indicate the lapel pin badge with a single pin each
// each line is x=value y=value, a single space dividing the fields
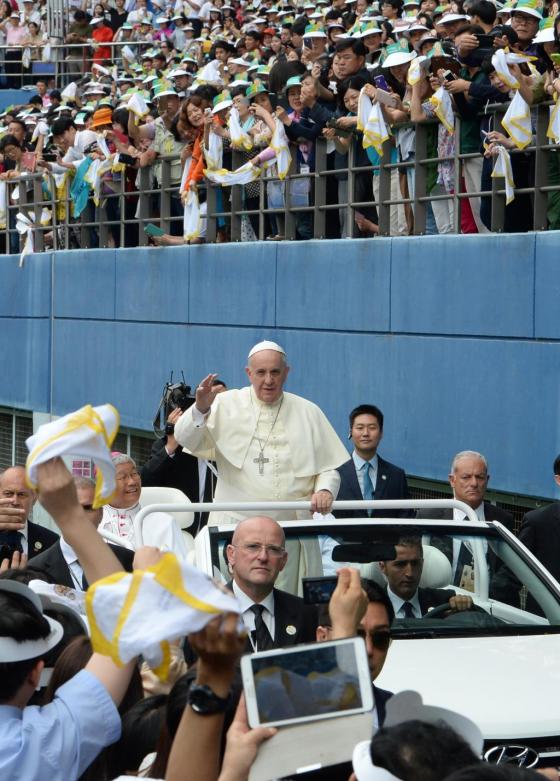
x=38 y=545
x=290 y=629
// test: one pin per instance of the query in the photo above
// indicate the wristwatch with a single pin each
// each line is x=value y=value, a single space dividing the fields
x=205 y=702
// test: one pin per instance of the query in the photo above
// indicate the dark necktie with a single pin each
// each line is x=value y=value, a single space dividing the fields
x=408 y=610
x=13 y=540
x=262 y=639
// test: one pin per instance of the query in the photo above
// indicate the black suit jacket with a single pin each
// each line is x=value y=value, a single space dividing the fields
x=491 y=513
x=540 y=532
x=180 y=472
x=433 y=597
x=502 y=586
x=52 y=562
x=445 y=543
x=391 y=484
x=290 y=613
x=39 y=539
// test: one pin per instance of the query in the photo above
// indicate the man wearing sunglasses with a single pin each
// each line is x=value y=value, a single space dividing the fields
x=375 y=628
x=60 y=562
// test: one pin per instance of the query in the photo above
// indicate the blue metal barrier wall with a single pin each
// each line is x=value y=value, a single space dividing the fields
x=456 y=338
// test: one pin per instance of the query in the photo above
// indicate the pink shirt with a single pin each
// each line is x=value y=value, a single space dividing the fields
x=15 y=35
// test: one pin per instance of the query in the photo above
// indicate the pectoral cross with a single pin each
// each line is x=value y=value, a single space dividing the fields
x=261 y=461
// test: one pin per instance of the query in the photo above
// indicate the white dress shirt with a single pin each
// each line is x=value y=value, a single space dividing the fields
x=459 y=515
x=24 y=539
x=247 y=615
x=373 y=466
x=398 y=603
x=73 y=564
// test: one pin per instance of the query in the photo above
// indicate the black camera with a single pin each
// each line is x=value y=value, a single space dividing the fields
x=176 y=395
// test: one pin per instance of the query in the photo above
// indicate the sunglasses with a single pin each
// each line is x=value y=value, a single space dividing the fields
x=380 y=640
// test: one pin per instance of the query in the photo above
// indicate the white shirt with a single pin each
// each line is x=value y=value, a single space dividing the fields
x=204 y=12
x=359 y=463
x=398 y=603
x=190 y=11
x=459 y=515
x=247 y=615
x=74 y=565
x=135 y=17
x=25 y=539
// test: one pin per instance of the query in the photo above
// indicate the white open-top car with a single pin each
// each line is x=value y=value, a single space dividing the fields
x=498 y=663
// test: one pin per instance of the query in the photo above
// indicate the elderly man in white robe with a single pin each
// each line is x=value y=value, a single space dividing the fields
x=160 y=529
x=267 y=444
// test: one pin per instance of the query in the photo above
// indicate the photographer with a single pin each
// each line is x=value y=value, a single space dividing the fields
x=170 y=467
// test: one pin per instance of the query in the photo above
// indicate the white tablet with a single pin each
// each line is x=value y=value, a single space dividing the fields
x=307 y=683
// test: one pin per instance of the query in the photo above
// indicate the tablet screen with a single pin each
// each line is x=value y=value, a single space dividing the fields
x=319 y=680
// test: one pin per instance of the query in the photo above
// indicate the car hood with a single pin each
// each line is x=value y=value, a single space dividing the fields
x=509 y=686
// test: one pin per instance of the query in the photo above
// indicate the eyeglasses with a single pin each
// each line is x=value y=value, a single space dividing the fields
x=254 y=549
x=134 y=473
x=380 y=640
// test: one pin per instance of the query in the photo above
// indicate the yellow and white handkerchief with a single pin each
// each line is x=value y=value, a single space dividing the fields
x=372 y=123
x=517 y=122
x=443 y=107
x=138 y=106
x=415 y=70
x=239 y=138
x=192 y=221
x=89 y=432
x=215 y=152
x=279 y=142
x=210 y=74
x=141 y=612
x=553 y=131
x=247 y=173
x=503 y=168
x=502 y=58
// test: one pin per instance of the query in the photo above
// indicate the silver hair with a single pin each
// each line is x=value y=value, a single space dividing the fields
x=468 y=454
x=122 y=458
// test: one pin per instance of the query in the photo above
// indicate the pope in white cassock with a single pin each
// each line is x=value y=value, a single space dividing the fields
x=268 y=445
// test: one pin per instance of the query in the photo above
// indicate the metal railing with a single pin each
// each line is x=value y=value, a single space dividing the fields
x=342 y=504
x=65 y=62
x=122 y=215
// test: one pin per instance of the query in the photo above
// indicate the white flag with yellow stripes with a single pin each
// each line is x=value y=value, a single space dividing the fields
x=139 y=613
x=88 y=432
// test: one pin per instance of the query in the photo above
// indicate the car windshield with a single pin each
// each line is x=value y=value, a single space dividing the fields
x=493 y=585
